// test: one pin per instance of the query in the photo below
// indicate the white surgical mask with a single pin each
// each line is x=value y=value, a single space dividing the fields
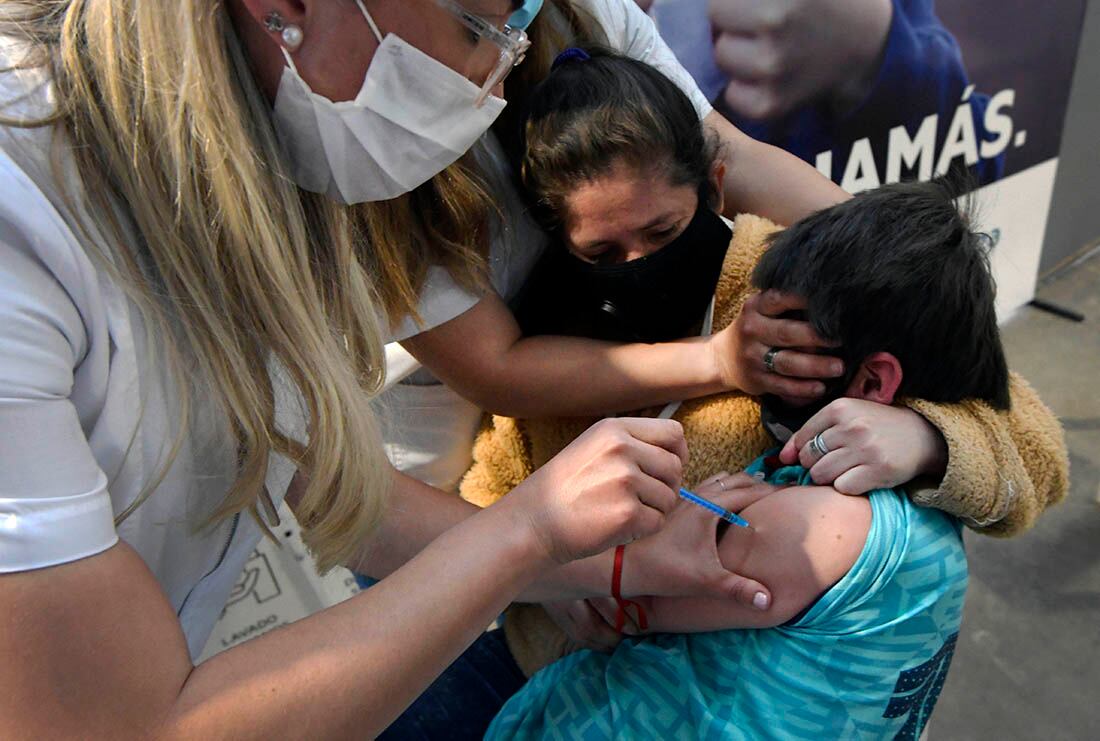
x=413 y=117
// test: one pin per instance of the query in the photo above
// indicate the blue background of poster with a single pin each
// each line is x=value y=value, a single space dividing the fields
x=931 y=54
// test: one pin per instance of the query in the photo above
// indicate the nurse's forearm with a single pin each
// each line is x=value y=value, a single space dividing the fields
x=767 y=181
x=350 y=670
x=420 y=513
x=659 y=565
x=93 y=649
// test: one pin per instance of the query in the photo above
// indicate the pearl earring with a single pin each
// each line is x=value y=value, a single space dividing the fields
x=292 y=35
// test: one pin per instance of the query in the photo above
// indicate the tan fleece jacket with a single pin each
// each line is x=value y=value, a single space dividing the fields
x=1004 y=468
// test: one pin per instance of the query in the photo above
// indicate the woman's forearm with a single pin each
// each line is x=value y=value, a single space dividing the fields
x=348 y=671
x=767 y=181
x=351 y=669
x=420 y=513
x=482 y=356
x=673 y=562
x=582 y=377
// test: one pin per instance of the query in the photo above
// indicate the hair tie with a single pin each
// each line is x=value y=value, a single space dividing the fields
x=569 y=54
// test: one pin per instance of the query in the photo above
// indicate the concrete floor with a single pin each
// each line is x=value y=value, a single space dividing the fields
x=1028 y=659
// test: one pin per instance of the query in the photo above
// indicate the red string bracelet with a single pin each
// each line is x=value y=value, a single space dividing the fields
x=616 y=592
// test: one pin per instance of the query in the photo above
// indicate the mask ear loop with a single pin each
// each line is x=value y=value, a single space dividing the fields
x=370 y=20
x=289 y=60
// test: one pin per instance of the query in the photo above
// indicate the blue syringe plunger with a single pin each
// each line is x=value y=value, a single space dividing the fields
x=723 y=513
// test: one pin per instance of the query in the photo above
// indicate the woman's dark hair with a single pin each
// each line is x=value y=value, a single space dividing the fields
x=899 y=269
x=590 y=114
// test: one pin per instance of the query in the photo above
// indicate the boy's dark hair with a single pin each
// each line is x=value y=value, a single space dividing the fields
x=591 y=114
x=898 y=269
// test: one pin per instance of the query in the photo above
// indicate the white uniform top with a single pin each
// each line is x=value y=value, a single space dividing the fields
x=429 y=428
x=86 y=415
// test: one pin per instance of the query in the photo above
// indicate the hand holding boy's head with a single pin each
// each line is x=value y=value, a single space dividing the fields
x=900 y=279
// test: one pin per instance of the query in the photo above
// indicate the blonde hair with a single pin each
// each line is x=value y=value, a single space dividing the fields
x=234 y=268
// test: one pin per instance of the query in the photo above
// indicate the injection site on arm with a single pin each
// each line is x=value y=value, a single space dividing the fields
x=803 y=540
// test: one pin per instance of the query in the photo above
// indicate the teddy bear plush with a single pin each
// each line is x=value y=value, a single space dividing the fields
x=1004 y=468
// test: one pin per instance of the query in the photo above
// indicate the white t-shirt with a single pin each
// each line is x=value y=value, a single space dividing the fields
x=429 y=428
x=86 y=415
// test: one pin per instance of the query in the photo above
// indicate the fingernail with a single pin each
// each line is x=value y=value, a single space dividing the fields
x=760 y=601
x=838 y=368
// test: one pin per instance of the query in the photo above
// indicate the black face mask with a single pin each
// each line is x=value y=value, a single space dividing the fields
x=782 y=420
x=656 y=298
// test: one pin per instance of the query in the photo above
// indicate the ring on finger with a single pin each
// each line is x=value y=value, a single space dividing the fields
x=769 y=359
x=721 y=483
x=818 y=447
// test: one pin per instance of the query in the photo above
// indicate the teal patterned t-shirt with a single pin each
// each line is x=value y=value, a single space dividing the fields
x=866 y=661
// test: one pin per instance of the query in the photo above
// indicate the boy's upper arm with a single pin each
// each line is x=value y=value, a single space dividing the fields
x=804 y=540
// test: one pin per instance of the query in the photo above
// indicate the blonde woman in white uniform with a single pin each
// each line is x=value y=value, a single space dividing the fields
x=189 y=316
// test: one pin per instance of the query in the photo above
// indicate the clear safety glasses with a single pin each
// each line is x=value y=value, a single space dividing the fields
x=496 y=50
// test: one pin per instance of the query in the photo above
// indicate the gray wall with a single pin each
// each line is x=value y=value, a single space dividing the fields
x=1074 y=223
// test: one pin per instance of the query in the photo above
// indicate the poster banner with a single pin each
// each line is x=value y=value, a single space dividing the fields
x=873 y=92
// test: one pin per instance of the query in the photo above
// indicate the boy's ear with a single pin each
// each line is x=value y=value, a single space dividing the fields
x=878 y=379
x=717 y=177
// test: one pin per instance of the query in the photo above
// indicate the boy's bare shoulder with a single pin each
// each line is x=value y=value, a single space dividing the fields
x=804 y=540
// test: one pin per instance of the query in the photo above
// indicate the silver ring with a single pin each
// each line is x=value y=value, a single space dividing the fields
x=769 y=359
x=720 y=483
x=815 y=451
